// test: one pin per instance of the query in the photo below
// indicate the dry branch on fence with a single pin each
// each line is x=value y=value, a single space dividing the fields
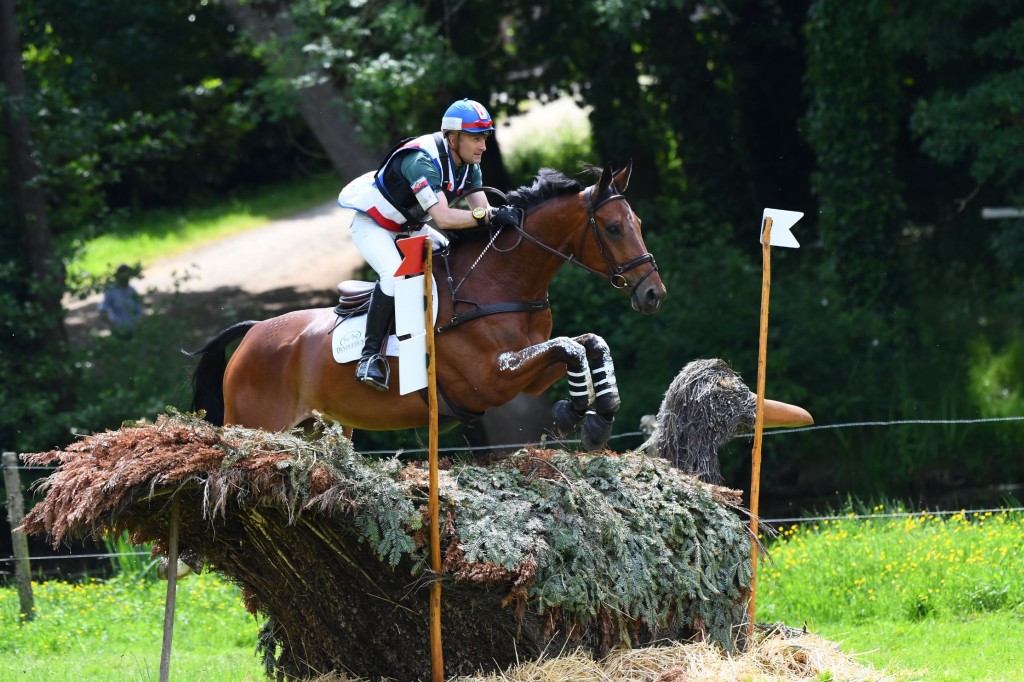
x=542 y=549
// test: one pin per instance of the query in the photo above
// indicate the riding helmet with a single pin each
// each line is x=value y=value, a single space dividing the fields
x=467 y=116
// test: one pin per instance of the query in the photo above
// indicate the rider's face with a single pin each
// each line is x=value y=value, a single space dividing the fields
x=470 y=147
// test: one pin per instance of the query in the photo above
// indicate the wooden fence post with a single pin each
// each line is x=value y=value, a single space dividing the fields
x=172 y=584
x=19 y=541
x=436 y=650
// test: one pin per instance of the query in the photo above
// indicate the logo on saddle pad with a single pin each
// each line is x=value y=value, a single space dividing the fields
x=347 y=340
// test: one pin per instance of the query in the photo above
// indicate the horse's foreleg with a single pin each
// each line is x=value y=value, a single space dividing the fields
x=598 y=427
x=602 y=372
x=540 y=359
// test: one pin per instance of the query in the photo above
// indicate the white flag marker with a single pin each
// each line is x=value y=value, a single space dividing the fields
x=781 y=222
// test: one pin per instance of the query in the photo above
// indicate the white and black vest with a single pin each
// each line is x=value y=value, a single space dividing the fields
x=385 y=194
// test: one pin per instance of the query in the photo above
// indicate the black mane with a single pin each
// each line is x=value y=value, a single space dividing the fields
x=547 y=184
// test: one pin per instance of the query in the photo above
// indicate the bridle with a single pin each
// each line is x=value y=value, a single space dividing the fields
x=616 y=273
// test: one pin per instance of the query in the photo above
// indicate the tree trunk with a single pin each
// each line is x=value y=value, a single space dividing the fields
x=321 y=106
x=29 y=199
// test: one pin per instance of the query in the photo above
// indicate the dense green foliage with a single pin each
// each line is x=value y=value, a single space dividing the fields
x=625 y=534
x=130 y=106
x=889 y=126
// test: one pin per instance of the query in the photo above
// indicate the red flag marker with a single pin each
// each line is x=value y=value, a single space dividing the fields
x=412 y=249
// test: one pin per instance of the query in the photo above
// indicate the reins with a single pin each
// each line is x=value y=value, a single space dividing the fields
x=615 y=275
x=487 y=309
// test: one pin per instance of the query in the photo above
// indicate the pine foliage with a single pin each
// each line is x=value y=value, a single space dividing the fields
x=605 y=549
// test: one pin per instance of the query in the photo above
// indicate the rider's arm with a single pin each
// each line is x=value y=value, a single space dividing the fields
x=449 y=218
x=445 y=217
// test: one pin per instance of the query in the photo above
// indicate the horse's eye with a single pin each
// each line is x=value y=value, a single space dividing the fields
x=612 y=228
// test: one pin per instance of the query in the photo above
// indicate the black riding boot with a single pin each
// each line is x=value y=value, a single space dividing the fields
x=373 y=369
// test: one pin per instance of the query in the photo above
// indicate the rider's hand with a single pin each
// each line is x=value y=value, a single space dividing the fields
x=506 y=216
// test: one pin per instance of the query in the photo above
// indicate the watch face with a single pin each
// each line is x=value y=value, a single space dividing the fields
x=479 y=213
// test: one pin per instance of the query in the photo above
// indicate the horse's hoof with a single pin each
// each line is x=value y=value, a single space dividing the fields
x=566 y=419
x=596 y=431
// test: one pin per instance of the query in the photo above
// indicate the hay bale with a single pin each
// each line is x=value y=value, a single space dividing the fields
x=541 y=550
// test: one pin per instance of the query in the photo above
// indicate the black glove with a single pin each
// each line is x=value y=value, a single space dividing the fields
x=506 y=216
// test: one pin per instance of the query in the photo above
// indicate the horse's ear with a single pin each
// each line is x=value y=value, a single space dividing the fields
x=622 y=177
x=605 y=181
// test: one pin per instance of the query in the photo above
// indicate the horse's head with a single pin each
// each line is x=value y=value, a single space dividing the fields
x=613 y=245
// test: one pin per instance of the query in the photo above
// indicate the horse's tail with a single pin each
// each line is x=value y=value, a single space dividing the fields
x=208 y=376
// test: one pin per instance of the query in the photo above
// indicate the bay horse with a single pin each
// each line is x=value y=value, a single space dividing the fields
x=492 y=336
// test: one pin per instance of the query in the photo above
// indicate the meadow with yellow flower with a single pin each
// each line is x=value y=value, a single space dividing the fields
x=924 y=596
x=943 y=595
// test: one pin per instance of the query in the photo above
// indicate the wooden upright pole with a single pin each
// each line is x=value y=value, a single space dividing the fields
x=755 y=468
x=436 y=654
x=172 y=584
x=19 y=541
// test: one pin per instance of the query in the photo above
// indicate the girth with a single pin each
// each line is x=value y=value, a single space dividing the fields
x=494 y=309
x=355 y=300
x=446 y=408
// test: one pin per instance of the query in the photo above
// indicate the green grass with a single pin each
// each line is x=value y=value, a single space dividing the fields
x=924 y=597
x=944 y=596
x=149 y=236
x=113 y=630
x=979 y=647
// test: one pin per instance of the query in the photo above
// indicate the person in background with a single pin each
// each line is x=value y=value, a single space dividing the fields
x=122 y=303
x=417 y=182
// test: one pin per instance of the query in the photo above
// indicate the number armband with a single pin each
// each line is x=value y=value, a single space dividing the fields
x=425 y=194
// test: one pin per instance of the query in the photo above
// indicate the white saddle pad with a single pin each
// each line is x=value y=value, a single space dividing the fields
x=347 y=339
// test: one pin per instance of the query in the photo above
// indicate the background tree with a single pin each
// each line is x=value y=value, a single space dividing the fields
x=889 y=126
x=131 y=106
x=32 y=287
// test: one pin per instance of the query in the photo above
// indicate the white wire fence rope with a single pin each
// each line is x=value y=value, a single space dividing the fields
x=634 y=434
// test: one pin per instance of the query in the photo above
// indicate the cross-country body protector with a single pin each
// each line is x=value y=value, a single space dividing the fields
x=386 y=196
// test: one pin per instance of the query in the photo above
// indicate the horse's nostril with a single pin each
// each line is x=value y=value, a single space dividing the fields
x=653 y=299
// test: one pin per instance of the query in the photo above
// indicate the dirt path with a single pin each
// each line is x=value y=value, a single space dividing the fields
x=296 y=261
x=290 y=263
x=310 y=251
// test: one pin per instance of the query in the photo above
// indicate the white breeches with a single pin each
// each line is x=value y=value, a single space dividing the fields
x=377 y=245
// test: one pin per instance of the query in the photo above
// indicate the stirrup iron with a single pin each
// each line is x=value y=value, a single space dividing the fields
x=369 y=372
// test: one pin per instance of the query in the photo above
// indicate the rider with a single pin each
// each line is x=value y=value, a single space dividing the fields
x=416 y=183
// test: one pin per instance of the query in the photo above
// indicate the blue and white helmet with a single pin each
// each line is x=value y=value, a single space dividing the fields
x=468 y=116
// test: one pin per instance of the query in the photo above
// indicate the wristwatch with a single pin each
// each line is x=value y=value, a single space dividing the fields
x=480 y=214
